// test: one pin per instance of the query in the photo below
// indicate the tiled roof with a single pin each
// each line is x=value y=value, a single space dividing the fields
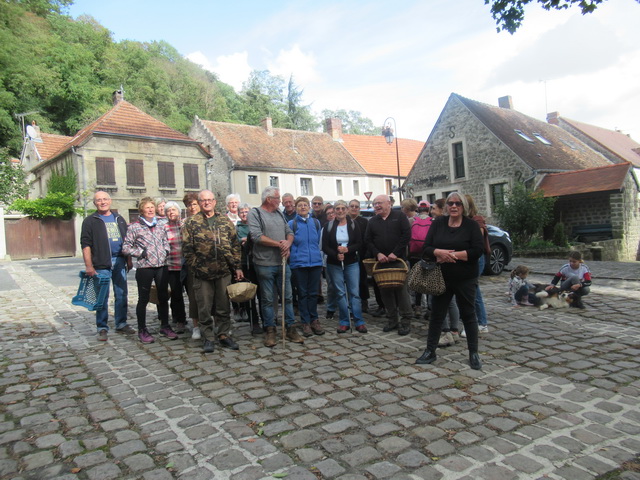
x=253 y=147
x=619 y=143
x=600 y=179
x=127 y=120
x=379 y=158
x=51 y=144
x=564 y=152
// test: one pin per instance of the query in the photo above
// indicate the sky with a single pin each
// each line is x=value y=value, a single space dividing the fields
x=403 y=59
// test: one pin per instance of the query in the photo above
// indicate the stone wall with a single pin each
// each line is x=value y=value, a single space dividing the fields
x=487 y=160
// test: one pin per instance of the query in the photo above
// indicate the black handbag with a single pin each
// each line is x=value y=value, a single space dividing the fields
x=426 y=277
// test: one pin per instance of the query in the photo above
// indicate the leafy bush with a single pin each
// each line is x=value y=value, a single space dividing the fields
x=54 y=205
x=13 y=182
x=524 y=213
x=64 y=180
x=560 y=235
x=538 y=243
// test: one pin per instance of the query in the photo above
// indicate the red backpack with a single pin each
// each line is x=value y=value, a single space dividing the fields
x=419 y=231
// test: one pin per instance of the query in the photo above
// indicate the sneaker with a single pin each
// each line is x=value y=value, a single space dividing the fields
x=362 y=329
x=404 y=330
x=446 y=339
x=195 y=334
x=483 y=329
x=329 y=315
x=180 y=327
x=455 y=336
x=127 y=330
x=306 y=330
x=145 y=336
x=169 y=333
x=463 y=334
x=316 y=327
x=342 y=329
x=102 y=335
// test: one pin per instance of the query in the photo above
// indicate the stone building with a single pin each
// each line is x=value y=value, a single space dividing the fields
x=125 y=152
x=482 y=150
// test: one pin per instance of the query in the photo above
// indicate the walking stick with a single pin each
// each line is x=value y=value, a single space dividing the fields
x=284 y=279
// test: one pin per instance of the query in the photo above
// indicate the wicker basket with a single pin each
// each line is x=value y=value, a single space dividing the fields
x=368 y=265
x=390 y=277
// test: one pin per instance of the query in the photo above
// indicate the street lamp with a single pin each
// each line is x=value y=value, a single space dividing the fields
x=388 y=133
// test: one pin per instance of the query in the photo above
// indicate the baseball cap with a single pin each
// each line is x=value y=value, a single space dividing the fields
x=424 y=204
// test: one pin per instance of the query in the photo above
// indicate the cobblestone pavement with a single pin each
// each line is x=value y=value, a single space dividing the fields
x=557 y=397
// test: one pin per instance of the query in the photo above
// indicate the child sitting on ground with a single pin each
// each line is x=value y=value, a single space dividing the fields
x=575 y=277
x=519 y=287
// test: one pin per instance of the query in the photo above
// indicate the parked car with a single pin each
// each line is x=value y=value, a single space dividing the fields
x=499 y=242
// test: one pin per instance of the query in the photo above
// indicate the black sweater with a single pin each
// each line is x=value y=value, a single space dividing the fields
x=467 y=236
x=388 y=236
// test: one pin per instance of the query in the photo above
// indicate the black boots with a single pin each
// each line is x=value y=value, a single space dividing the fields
x=474 y=361
x=429 y=356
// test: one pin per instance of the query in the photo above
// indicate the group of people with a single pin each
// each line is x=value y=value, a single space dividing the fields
x=286 y=252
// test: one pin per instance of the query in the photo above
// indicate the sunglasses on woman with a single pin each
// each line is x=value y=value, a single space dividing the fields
x=454 y=204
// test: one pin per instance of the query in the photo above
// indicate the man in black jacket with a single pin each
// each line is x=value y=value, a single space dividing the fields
x=101 y=242
x=387 y=237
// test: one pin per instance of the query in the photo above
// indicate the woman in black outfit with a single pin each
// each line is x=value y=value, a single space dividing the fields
x=455 y=242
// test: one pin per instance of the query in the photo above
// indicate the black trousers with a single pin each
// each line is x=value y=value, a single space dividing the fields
x=465 y=292
x=145 y=277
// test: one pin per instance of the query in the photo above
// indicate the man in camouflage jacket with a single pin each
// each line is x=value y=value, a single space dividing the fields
x=212 y=252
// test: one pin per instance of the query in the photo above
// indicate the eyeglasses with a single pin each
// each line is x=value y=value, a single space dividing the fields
x=454 y=204
x=207 y=200
x=354 y=206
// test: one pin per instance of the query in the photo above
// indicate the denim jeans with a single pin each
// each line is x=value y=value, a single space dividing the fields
x=481 y=313
x=347 y=281
x=332 y=299
x=118 y=274
x=270 y=281
x=305 y=280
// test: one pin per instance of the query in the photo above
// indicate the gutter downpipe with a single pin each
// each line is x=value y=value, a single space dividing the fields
x=84 y=181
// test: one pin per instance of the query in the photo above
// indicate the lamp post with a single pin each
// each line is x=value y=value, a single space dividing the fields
x=388 y=134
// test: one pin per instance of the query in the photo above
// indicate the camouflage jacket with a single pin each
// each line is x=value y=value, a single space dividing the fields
x=211 y=252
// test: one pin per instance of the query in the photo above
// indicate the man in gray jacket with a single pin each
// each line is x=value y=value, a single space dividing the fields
x=272 y=239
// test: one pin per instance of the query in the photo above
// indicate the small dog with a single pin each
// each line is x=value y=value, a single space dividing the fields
x=553 y=298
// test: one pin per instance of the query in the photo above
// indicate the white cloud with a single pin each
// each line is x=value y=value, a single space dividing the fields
x=297 y=63
x=232 y=69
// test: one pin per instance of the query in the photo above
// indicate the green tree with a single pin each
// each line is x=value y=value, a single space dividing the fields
x=352 y=122
x=524 y=213
x=13 y=184
x=509 y=14
x=300 y=116
x=63 y=180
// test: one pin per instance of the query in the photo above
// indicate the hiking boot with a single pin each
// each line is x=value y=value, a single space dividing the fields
x=145 y=336
x=316 y=327
x=169 y=333
x=102 y=335
x=127 y=330
x=389 y=327
x=228 y=342
x=446 y=339
x=306 y=330
x=270 y=337
x=428 y=356
x=404 y=330
x=256 y=328
x=362 y=328
x=207 y=346
x=293 y=335
x=342 y=329
x=329 y=315
x=180 y=327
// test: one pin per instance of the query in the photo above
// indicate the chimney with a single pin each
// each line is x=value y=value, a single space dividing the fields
x=267 y=124
x=118 y=96
x=334 y=128
x=505 y=102
x=553 y=118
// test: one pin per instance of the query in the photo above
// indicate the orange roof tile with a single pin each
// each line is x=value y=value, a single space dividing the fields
x=617 y=142
x=379 y=158
x=253 y=147
x=127 y=120
x=599 y=179
x=51 y=144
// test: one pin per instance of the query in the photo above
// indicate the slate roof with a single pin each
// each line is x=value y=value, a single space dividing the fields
x=565 y=152
x=599 y=179
x=126 y=120
x=379 y=158
x=251 y=147
x=618 y=143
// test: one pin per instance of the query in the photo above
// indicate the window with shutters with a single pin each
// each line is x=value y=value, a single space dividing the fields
x=105 y=171
x=135 y=173
x=191 y=179
x=166 y=175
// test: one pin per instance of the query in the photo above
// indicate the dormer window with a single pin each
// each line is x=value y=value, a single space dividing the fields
x=524 y=135
x=542 y=139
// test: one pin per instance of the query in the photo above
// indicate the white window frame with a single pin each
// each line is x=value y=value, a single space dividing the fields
x=303 y=187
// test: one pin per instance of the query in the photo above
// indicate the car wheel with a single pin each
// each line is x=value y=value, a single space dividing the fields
x=497 y=260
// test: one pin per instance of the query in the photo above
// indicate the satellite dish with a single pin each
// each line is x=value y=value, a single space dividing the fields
x=33 y=133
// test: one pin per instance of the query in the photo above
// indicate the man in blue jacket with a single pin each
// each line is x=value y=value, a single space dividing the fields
x=101 y=242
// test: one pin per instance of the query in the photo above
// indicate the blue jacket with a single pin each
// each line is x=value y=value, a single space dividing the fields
x=305 y=250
